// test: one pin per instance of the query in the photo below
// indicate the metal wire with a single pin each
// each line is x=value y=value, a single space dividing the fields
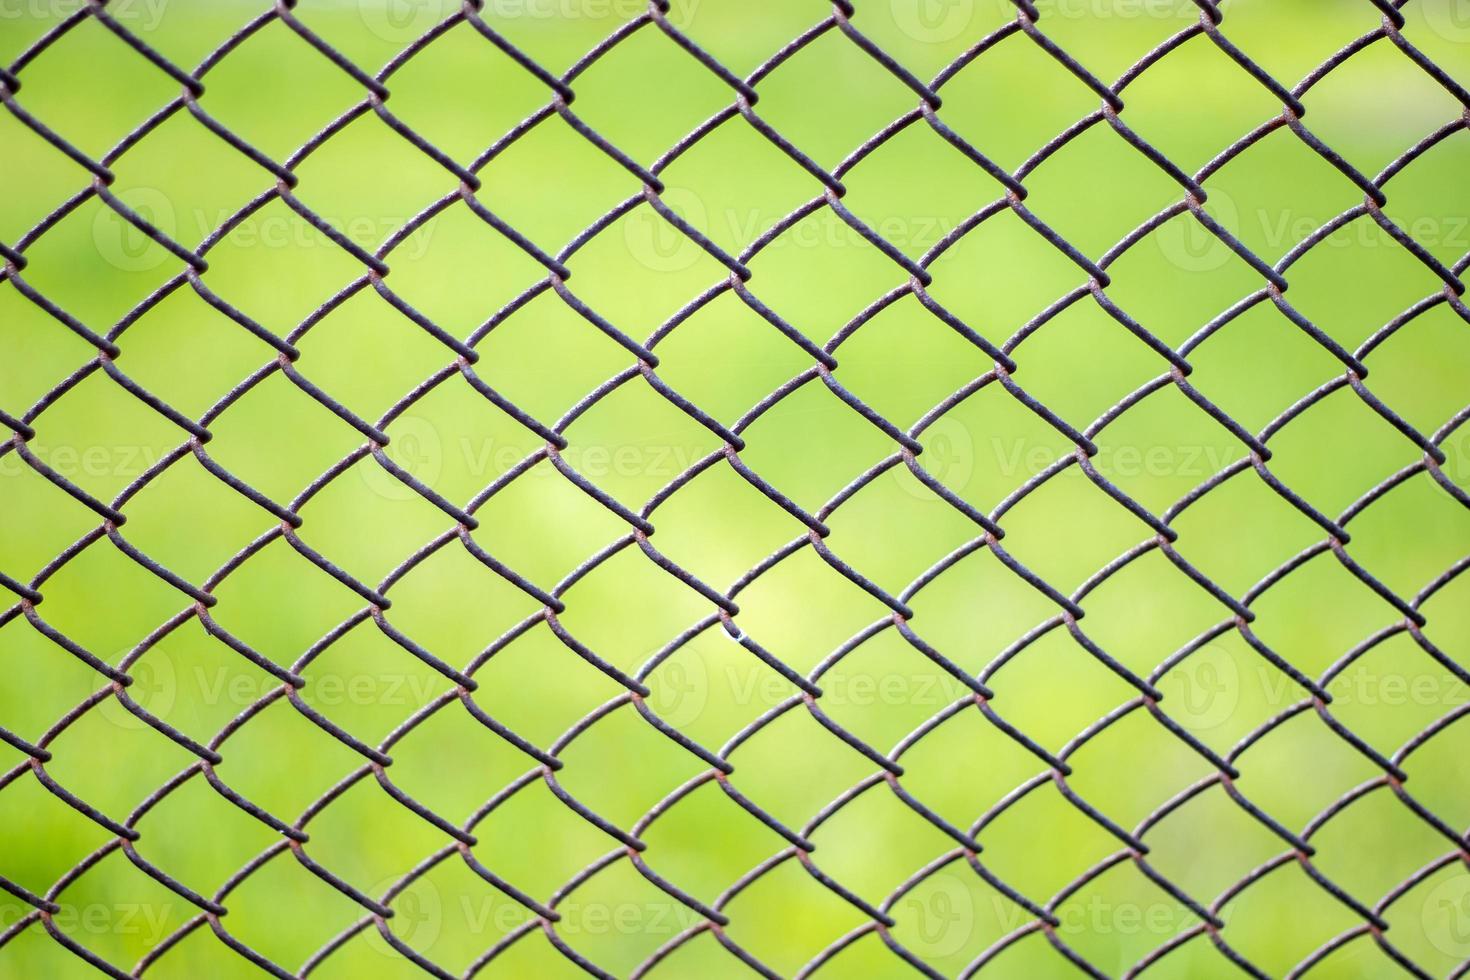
x=127 y=833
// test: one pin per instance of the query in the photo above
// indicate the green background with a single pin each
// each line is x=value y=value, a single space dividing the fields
x=462 y=94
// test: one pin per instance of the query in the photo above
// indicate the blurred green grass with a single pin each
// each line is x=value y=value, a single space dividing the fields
x=276 y=92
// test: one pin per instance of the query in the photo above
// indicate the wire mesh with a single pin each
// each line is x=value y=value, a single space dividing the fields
x=717 y=916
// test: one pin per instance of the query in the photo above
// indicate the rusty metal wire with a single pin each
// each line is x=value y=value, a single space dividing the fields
x=626 y=844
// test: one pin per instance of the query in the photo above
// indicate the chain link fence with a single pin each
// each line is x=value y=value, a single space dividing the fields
x=1125 y=829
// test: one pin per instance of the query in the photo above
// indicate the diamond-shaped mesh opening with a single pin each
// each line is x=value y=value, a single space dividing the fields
x=1342 y=107
x=1069 y=344
x=1120 y=914
x=1182 y=275
x=243 y=84
x=984 y=108
x=124 y=89
x=1320 y=919
x=814 y=117
x=99 y=244
x=934 y=529
x=1069 y=507
x=784 y=893
x=1065 y=193
x=1360 y=278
